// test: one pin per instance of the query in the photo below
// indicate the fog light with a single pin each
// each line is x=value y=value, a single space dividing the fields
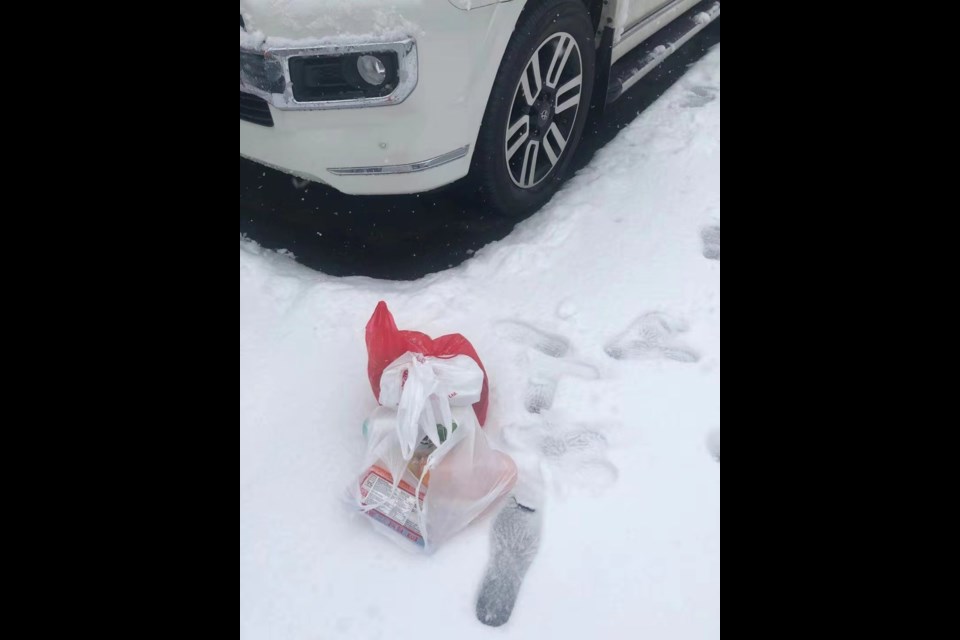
x=372 y=70
x=354 y=76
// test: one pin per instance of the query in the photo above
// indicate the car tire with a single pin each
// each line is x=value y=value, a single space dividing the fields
x=530 y=133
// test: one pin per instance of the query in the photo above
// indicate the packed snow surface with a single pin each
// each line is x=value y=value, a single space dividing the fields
x=599 y=323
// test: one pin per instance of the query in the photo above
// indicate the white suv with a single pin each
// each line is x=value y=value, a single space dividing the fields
x=380 y=97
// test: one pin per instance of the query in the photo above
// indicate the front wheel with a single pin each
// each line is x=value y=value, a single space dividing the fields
x=538 y=108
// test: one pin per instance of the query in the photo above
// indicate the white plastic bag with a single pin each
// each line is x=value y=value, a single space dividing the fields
x=423 y=390
x=429 y=470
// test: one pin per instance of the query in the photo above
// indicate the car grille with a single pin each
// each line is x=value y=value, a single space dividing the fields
x=255 y=110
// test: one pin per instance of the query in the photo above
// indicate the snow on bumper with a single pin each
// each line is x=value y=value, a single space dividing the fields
x=419 y=144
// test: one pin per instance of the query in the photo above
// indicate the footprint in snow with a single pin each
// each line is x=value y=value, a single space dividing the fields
x=713 y=444
x=578 y=456
x=514 y=541
x=711 y=243
x=542 y=386
x=652 y=337
x=550 y=345
x=549 y=368
x=699 y=97
x=541 y=394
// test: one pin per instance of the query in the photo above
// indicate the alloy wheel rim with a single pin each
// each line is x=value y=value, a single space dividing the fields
x=544 y=112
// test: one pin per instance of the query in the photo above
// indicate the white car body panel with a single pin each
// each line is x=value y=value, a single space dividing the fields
x=633 y=11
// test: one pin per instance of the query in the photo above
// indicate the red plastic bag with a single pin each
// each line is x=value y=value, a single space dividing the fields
x=386 y=343
x=429 y=470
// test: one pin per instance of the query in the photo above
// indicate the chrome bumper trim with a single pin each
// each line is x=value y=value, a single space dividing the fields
x=415 y=167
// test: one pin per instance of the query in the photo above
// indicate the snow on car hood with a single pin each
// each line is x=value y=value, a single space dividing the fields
x=286 y=22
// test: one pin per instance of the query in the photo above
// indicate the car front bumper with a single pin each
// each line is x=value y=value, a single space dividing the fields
x=417 y=139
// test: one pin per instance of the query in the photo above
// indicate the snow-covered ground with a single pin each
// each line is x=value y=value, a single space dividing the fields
x=620 y=275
